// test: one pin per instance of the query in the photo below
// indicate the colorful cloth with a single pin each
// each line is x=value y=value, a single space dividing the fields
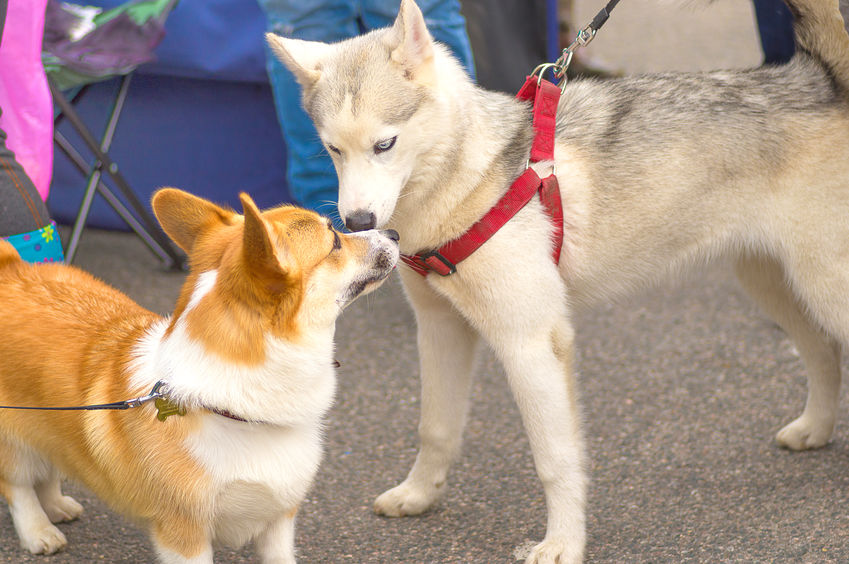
x=41 y=245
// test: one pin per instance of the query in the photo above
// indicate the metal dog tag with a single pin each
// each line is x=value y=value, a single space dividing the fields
x=166 y=408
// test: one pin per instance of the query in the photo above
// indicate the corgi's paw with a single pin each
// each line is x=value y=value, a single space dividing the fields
x=44 y=540
x=805 y=433
x=406 y=499
x=62 y=509
x=557 y=550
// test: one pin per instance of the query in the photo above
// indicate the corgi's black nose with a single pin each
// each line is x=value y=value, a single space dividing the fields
x=360 y=220
x=392 y=234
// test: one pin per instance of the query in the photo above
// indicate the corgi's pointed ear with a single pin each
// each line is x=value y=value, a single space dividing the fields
x=411 y=41
x=259 y=251
x=184 y=216
x=301 y=57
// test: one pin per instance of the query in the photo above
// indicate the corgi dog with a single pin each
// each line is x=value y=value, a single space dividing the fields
x=657 y=173
x=245 y=364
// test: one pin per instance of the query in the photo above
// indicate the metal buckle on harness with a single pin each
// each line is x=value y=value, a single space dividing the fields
x=438 y=263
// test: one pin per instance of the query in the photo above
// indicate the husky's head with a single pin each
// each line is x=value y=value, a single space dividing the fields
x=376 y=107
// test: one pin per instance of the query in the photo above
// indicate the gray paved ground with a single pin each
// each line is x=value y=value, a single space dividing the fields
x=683 y=389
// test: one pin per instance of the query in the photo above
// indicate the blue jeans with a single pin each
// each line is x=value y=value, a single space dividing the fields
x=309 y=171
x=775 y=26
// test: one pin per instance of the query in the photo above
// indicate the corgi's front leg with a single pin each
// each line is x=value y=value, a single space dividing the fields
x=35 y=531
x=32 y=490
x=447 y=351
x=59 y=508
x=277 y=544
x=182 y=540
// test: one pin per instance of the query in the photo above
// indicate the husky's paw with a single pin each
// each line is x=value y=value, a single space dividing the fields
x=406 y=499
x=62 y=509
x=558 y=550
x=805 y=433
x=46 y=540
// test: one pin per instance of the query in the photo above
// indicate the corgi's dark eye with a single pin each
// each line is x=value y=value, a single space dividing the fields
x=337 y=242
x=333 y=149
x=385 y=145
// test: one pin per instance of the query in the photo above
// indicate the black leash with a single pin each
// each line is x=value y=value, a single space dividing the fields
x=126 y=404
x=602 y=16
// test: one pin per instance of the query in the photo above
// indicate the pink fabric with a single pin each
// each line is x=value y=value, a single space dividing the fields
x=25 y=98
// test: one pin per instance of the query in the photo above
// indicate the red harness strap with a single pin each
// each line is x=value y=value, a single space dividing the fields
x=443 y=260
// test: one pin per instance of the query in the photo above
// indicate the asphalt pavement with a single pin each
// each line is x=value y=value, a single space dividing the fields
x=683 y=388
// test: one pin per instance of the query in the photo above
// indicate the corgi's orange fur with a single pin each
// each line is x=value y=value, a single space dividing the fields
x=251 y=336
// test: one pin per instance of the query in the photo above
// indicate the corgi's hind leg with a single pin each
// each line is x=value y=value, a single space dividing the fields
x=766 y=281
x=59 y=507
x=20 y=471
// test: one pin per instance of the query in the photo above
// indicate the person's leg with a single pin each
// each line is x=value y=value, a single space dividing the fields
x=310 y=174
x=444 y=21
x=775 y=25
x=24 y=220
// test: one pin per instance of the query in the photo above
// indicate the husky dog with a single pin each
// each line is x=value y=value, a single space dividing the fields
x=657 y=173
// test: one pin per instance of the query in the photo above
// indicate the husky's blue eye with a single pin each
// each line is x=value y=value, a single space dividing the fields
x=385 y=145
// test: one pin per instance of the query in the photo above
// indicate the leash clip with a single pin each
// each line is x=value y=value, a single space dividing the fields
x=561 y=65
x=584 y=37
x=154 y=394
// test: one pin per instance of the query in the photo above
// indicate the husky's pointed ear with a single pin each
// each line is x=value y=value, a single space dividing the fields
x=183 y=216
x=301 y=57
x=259 y=252
x=412 y=45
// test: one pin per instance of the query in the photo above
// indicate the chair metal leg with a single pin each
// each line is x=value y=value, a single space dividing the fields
x=80 y=163
x=82 y=214
x=104 y=164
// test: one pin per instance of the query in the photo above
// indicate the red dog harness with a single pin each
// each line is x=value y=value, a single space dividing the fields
x=443 y=260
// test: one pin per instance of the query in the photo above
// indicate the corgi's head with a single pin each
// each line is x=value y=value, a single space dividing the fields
x=283 y=273
x=381 y=104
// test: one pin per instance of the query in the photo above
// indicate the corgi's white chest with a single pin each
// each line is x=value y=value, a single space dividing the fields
x=259 y=472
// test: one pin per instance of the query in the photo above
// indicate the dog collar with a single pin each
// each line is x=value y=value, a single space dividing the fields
x=166 y=407
x=444 y=260
x=228 y=415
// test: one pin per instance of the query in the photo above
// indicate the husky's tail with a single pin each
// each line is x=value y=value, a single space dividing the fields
x=8 y=253
x=820 y=30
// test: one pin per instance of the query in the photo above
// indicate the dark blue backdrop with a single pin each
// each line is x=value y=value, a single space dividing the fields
x=201 y=118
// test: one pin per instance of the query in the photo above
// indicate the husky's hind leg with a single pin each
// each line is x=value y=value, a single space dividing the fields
x=766 y=281
x=20 y=472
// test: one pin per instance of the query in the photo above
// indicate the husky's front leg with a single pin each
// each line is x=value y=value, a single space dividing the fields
x=541 y=376
x=529 y=329
x=447 y=351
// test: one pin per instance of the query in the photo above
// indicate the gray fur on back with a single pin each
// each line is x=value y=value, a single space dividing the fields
x=740 y=117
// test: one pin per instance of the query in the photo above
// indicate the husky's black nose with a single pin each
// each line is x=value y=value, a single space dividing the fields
x=360 y=221
x=392 y=234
